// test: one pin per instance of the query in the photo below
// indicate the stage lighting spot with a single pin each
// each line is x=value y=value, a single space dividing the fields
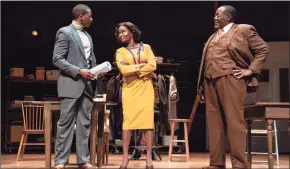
x=34 y=33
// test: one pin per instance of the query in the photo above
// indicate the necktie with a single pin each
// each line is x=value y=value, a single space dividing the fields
x=219 y=34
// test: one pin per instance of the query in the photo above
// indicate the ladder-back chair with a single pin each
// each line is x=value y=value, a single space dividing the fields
x=33 y=123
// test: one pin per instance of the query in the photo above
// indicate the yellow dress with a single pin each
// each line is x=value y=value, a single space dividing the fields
x=137 y=91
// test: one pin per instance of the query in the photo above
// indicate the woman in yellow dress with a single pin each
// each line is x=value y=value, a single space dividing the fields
x=136 y=63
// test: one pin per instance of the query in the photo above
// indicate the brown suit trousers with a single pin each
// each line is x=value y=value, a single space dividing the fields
x=225 y=97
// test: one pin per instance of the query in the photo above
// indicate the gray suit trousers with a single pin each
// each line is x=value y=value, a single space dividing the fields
x=74 y=111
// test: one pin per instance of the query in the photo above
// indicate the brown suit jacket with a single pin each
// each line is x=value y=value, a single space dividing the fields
x=246 y=48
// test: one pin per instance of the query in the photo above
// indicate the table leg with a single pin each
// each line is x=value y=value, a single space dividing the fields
x=94 y=120
x=47 y=135
x=249 y=143
x=270 y=144
x=101 y=116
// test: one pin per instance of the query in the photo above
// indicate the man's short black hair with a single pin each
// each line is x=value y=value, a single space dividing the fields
x=78 y=10
x=230 y=10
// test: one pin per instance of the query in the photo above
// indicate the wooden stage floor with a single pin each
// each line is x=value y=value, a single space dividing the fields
x=197 y=160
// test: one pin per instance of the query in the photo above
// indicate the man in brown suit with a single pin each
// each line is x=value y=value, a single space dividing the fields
x=231 y=62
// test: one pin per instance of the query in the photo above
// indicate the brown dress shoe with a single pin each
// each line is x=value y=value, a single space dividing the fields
x=214 y=167
x=85 y=166
x=149 y=167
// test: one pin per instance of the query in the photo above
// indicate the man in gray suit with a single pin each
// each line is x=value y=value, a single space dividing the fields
x=73 y=55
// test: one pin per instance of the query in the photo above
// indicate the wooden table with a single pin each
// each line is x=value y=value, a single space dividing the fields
x=267 y=111
x=50 y=106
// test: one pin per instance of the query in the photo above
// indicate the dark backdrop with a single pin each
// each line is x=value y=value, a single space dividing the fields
x=175 y=30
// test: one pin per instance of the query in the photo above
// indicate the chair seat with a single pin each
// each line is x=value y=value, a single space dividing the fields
x=33 y=131
x=180 y=120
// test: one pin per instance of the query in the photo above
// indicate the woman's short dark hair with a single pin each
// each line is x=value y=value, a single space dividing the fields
x=133 y=28
x=78 y=10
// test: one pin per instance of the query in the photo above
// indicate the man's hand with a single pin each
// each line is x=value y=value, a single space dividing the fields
x=200 y=94
x=86 y=74
x=239 y=72
x=201 y=98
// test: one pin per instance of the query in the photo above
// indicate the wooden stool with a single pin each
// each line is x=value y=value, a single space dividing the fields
x=173 y=122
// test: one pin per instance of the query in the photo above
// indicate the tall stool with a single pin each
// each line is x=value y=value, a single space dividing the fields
x=172 y=123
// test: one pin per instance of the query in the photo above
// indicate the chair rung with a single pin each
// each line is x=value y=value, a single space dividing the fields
x=178 y=155
x=259 y=153
x=259 y=161
x=259 y=131
x=180 y=141
x=140 y=147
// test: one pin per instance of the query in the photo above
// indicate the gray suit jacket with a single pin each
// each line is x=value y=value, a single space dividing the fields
x=69 y=57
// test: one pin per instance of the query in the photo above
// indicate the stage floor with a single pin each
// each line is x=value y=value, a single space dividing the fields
x=197 y=160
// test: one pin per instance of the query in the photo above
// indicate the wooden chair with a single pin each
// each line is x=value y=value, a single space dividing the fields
x=33 y=121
